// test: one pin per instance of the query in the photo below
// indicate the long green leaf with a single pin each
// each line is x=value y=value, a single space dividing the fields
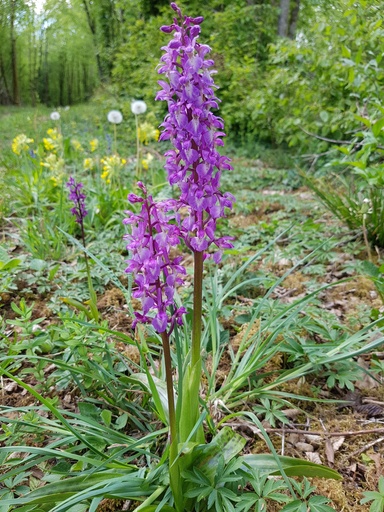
x=266 y=463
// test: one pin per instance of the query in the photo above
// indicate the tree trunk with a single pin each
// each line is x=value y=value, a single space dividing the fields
x=5 y=98
x=293 y=19
x=62 y=75
x=33 y=61
x=283 y=24
x=92 y=27
x=15 y=76
x=46 y=93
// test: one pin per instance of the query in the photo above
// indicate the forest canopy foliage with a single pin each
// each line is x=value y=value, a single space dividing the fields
x=287 y=68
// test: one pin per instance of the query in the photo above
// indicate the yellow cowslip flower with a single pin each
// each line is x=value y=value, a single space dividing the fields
x=54 y=163
x=54 y=141
x=94 y=144
x=146 y=162
x=111 y=167
x=57 y=180
x=147 y=132
x=49 y=144
x=21 y=143
x=76 y=145
x=57 y=166
x=88 y=164
x=105 y=177
x=54 y=133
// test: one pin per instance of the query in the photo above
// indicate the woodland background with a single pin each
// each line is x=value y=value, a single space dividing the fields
x=286 y=68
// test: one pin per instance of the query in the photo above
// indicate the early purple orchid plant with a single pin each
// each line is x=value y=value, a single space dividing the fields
x=194 y=165
x=80 y=212
x=78 y=199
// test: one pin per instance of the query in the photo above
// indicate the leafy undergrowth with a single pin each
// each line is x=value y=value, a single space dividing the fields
x=292 y=333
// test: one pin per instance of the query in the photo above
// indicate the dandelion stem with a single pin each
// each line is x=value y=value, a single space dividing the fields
x=137 y=147
x=115 y=133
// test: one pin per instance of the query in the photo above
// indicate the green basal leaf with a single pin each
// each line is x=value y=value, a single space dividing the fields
x=9 y=265
x=226 y=444
x=157 y=388
x=292 y=467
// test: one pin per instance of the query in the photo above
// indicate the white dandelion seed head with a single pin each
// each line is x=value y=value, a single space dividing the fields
x=55 y=116
x=67 y=107
x=138 y=107
x=115 y=117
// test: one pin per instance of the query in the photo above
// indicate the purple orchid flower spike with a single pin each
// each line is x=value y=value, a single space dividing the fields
x=78 y=199
x=156 y=272
x=195 y=164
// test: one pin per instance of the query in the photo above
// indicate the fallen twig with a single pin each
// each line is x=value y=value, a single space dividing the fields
x=365 y=447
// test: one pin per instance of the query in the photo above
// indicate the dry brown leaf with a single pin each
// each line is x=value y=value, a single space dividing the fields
x=337 y=442
x=305 y=447
x=11 y=386
x=366 y=382
x=291 y=413
x=376 y=457
x=329 y=451
x=313 y=457
x=313 y=439
x=16 y=455
x=293 y=438
x=37 y=473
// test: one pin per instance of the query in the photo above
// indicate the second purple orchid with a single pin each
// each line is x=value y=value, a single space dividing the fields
x=78 y=199
x=156 y=272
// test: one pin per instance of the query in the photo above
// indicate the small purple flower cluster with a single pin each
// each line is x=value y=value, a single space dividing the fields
x=194 y=165
x=156 y=272
x=78 y=199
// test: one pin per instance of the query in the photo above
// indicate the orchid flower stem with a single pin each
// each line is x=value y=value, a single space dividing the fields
x=85 y=254
x=169 y=382
x=190 y=411
x=92 y=293
x=197 y=307
x=174 y=472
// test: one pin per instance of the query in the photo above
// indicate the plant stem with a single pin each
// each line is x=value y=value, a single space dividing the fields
x=169 y=382
x=190 y=411
x=92 y=293
x=137 y=147
x=85 y=254
x=197 y=307
x=174 y=470
x=115 y=133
